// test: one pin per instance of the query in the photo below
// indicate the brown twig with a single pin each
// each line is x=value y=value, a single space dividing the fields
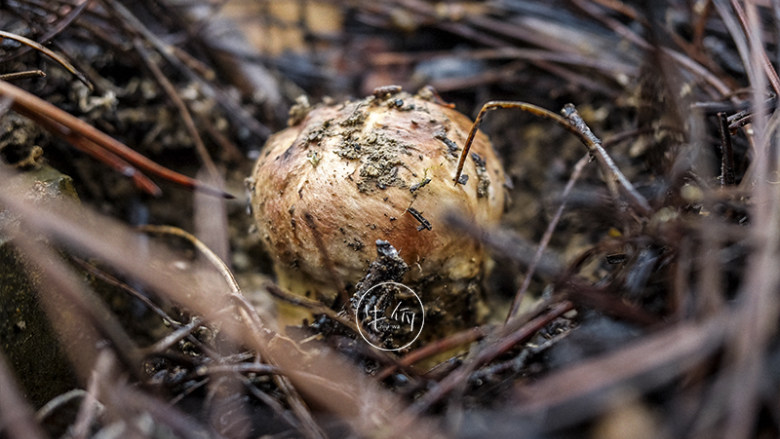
x=572 y=122
x=504 y=340
x=48 y=52
x=608 y=166
x=596 y=298
x=308 y=426
x=83 y=144
x=184 y=112
x=22 y=75
x=85 y=136
x=181 y=330
x=315 y=306
x=434 y=348
x=114 y=282
x=210 y=256
x=248 y=311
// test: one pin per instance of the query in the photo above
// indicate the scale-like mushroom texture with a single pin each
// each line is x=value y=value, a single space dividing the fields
x=380 y=168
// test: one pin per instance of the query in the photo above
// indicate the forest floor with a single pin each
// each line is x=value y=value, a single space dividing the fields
x=633 y=289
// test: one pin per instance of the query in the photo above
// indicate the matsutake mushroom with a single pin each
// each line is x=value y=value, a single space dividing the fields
x=343 y=176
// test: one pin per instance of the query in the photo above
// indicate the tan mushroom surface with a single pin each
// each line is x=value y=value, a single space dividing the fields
x=379 y=168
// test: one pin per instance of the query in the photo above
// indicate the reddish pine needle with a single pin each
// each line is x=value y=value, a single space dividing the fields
x=90 y=140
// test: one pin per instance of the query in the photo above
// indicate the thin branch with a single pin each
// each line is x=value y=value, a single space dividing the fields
x=50 y=53
x=184 y=112
x=86 y=146
x=23 y=75
x=248 y=311
x=212 y=257
x=572 y=122
x=434 y=348
x=72 y=128
x=314 y=306
x=608 y=166
x=501 y=342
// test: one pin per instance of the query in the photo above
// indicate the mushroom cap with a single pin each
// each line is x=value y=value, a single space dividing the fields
x=380 y=168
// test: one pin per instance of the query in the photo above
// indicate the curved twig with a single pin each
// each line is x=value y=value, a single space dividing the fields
x=572 y=122
x=50 y=53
